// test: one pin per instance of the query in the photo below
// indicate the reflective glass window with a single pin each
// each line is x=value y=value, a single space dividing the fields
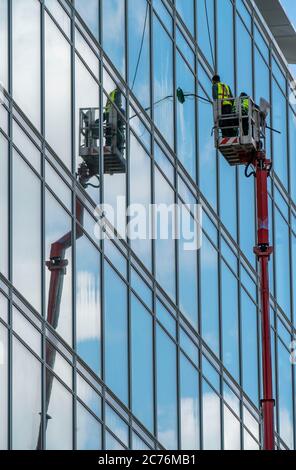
x=26 y=57
x=4 y=43
x=139 y=50
x=186 y=10
x=140 y=198
x=230 y=322
x=58 y=226
x=26 y=231
x=166 y=390
x=209 y=303
x=26 y=398
x=142 y=363
x=206 y=152
x=4 y=206
x=57 y=91
x=88 y=308
x=165 y=244
x=60 y=409
x=90 y=14
x=282 y=263
x=292 y=147
x=186 y=150
x=249 y=347
x=279 y=122
x=163 y=81
x=285 y=398
x=88 y=430
x=116 y=348
x=113 y=12
x=225 y=42
x=188 y=276
x=206 y=38
x=211 y=419
x=117 y=425
x=189 y=405
x=4 y=388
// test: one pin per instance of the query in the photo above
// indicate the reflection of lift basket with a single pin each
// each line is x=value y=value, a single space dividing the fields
x=89 y=143
x=240 y=133
x=114 y=161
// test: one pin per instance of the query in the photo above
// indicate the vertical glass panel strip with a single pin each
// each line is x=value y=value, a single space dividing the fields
x=167 y=420
x=26 y=232
x=189 y=405
x=88 y=308
x=142 y=364
x=114 y=32
x=4 y=43
x=4 y=388
x=26 y=57
x=116 y=348
x=4 y=205
x=57 y=91
x=26 y=398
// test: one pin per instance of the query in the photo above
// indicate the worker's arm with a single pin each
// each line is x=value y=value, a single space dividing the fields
x=215 y=91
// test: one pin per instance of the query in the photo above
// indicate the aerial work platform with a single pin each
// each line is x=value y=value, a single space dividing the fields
x=239 y=132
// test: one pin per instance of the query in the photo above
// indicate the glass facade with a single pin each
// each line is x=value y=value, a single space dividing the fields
x=150 y=347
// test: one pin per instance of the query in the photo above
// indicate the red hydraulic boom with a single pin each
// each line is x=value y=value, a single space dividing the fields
x=240 y=137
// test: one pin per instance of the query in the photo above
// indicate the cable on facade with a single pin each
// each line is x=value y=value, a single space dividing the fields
x=209 y=32
x=141 y=47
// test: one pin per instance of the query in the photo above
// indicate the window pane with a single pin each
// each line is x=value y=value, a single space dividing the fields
x=282 y=264
x=88 y=430
x=142 y=364
x=140 y=170
x=59 y=426
x=207 y=159
x=26 y=57
x=166 y=390
x=225 y=42
x=58 y=226
x=4 y=206
x=189 y=405
x=186 y=10
x=163 y=82
x=27 y=232
x=186 y=118
x=279 y=122
x=211 y=419
x=26 y=398
x=209 y=303
x=249 y=347
x=4 y=43
x=206 y=44
x=165 y=248
x=139 y=59
x=88 y=308
x=57 y=92
x=116 y=365
x=89 y=14
x=230 y=322
x=114 y=32
x=4 y=388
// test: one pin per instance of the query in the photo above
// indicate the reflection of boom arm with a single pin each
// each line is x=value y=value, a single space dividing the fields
x=57 y=266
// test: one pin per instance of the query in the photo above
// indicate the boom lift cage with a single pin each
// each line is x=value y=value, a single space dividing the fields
x=237 y=135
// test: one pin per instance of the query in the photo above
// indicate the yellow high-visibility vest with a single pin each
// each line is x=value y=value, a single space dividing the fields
x=245 y=105
x=224 y=92
x=110 y=100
